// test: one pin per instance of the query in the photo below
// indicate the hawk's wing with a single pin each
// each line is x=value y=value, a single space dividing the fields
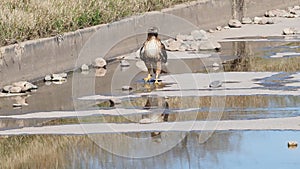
x=142 y=52
x=163 y=53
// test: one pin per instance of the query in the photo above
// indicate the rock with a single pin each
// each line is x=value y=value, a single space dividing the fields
x=100 y=63
x=216 y=65
x=292 y=144
x=226 y=27
x=297 y=7
x=263 y=21
x=209 y=45
x=218 y=28
x=180 y=37
x=15 y=89
x=199 y=35
x=257 y=20
x=234 y=23
x=84 y=67
x=124 y=63
x=276 y=13
x=141 y=65
x=48 y=78
x=246 y=20
x=291 y=16
x=100 y=72
x=166 y=43
x=58 y=77
x=215 y=84
x=184 y=47
x=25 y=86
x=6 y=89
x=189 y=38
x=289 y=31
x=211 y=31
x=270 y=21
x=174 y=46
x=126 y=88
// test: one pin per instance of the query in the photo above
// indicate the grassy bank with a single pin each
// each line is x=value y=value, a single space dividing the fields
x=22 y=20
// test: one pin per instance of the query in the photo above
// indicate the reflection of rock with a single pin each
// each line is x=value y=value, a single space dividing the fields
x=100 y=63
x=21 y=101
x=100 y=72
x=124 y=88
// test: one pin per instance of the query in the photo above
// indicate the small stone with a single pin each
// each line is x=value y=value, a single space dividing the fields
x=126 y=88
x=216 y=65
x=270 y=21
x=58 y=77
x=234 y=23
x=276 y=13
x=63 y=75
x=15 y=89
x=257 y=20
x=218 y=28
x=215 y=84
x=297 y=7
x=48 y=78
x=124 y=63
x=199 y=35
x=20 y=84
x=289 y=31
x=84 y=67
x=100 y=63
x=174 y=46
x=209 y=45
x=28 y=87
x=246 y=20
x=263 y=21
x=145 y=121
x=180 y=37
x=6 y=89
x=141 y=65
x=211 y=31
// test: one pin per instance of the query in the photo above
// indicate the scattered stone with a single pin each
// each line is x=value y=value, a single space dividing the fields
x=226 y=27
x=124 y=63
x=58 y=77
x=216 y=65
x=218 y=28
x=174 y=46
x=270 y=21
x=209 y=45
x=257 y=20
x=292 y=144
x=246 y=20
x=15 y=89
x=48 y=78
x=234 y=23
x=215 y=84
x=141 y=65
x=199 y=35
x=24 y=85
x=211 y=31
x=297 y=7
x=100 y=63
x=124 y=88
x=180 y=37
x=289 y=31
x=276 y=13
x=84 y=67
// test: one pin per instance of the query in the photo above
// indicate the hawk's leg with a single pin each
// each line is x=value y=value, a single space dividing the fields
x=148 y=78
x=158 y=70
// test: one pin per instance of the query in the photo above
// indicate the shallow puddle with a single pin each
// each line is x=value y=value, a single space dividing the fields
x=246 y=149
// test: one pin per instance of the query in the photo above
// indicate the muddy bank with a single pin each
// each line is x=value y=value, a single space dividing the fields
x=34 y=59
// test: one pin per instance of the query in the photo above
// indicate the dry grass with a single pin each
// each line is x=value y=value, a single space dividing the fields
x=31 y=19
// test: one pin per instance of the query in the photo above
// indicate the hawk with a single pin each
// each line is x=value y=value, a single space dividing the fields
x=153 y=53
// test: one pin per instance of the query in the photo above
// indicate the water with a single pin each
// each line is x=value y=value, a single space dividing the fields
x=228 y=149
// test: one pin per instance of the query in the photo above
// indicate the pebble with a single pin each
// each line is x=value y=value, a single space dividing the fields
x=58 y=77
x=289 y=31
x=246 y=20
x=100 y=72
x=215 y=84
x=124 y=63
x=126 y=88
x=48 y=78
x=84 y=67
x=218 y=28
x=174 y=46
x=257 y=20
x=100 y=63
x=234 y=23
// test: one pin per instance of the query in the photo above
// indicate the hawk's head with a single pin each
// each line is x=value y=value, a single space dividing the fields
x=153 y=31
